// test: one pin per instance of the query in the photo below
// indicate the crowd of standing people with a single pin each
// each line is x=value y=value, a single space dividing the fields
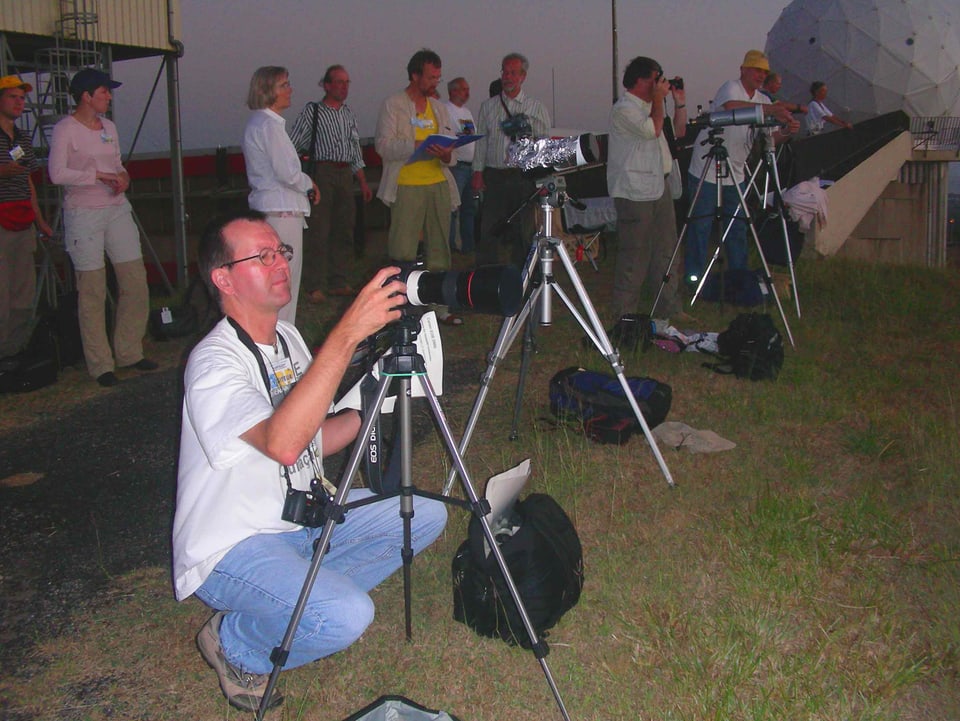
x=310 y=181
x=257 y=410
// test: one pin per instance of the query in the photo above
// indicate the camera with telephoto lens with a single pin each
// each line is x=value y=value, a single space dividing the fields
x=492 y=289
x=306 y=508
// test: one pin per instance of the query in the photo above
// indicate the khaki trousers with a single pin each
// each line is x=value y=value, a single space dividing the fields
x=18 y=278
x=421 y=210
x=133 y=307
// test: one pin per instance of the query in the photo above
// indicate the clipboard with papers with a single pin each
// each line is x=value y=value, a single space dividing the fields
x=444 y=141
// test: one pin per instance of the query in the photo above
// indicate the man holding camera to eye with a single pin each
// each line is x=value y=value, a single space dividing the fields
x=254 y=433
x=638 y=169
x=503 y=118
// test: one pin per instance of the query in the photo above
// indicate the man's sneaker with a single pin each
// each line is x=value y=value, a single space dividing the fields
x=244 y=691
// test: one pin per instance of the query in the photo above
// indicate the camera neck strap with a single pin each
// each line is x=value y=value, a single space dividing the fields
x=249 y=343
x=265 y=375
x=505 y=108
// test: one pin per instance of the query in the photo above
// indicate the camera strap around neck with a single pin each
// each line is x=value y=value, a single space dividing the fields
x=251 y=345
x=505 y=108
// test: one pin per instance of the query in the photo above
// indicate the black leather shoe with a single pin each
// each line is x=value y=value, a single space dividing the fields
x=144 y=364
x=108 y=379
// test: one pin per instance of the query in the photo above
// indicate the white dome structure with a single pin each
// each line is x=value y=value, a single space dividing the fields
x=875 y=56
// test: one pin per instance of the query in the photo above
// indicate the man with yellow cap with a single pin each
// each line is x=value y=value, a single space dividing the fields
x=738 y=140
x=19 y=213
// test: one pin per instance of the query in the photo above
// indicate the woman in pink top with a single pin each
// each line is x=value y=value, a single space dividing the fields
x=98 y=221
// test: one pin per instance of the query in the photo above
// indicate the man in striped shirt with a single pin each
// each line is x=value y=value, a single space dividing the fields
x=20 y=218
x=505 y=188
x=327 y=131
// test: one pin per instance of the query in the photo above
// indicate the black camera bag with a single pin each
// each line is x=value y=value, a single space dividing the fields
x=751 y=347
x=545 y=559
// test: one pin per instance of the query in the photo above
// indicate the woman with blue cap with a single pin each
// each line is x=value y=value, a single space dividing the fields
x=98 y=222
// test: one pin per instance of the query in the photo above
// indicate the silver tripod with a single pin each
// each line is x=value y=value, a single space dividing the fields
x=772 y=186
x=721 y=169
x=404 y=365
x=538 y=291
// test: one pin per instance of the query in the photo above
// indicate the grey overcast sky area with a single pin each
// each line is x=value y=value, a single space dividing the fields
x=568 y=43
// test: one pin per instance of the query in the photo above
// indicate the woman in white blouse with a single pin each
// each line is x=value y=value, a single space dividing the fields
x=278 y=187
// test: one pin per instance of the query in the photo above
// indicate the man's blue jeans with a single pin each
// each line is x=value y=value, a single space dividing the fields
x=697 y=238
x=259 y=580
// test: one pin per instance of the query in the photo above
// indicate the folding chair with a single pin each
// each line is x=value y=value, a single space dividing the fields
x=582 y=229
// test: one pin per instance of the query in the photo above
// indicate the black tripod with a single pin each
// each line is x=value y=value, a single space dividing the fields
x=403 y=365
x=721 y=169
x=539 y=284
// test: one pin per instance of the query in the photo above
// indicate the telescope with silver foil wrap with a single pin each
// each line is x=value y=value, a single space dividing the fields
x=544 y=156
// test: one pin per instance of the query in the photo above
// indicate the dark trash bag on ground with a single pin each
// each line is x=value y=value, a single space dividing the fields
x=751 y=347
x=398 y=708
x=597 y=399
x=545 y=559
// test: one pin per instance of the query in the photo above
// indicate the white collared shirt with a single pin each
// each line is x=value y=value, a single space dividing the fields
x=277 y=184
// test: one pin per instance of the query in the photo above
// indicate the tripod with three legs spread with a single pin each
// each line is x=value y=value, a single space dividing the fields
x=721 y=168
x=539 y=284
x=404 y=365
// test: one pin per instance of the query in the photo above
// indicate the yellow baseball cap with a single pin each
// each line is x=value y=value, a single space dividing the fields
x=756 y=59
x=14 y=81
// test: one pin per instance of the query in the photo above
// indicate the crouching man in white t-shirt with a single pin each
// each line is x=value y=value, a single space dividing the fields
x=255 y=424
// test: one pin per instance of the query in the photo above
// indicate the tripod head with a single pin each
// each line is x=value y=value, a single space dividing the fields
x=399 y=338
x=715 y=140
x=553 y=190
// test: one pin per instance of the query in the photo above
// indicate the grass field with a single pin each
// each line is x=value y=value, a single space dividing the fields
x=810 y=573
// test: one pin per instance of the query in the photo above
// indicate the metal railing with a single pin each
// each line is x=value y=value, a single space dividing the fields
x=939 y=133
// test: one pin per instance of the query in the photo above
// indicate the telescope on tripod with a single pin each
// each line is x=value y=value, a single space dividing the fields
x=549 y=161
x=718 y=169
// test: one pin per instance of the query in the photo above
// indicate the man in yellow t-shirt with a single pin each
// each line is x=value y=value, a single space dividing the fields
x=420 y=194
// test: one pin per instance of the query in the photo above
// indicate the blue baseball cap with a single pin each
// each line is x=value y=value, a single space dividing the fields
x=89 y=79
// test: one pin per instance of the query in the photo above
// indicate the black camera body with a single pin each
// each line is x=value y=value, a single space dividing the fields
x=676 y=83
x=306 y=508
x=517 y=126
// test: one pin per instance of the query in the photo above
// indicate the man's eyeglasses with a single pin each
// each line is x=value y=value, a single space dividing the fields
x=267 y=256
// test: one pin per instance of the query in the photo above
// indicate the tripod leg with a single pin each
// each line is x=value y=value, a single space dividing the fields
x=716 y=236
x=683 y=233
x=406 y=498
x=539 y=646
x=509 y=330
x=335 y=510
x=774 y=173
x=527 y=350
x=766 y=268
x=602 y=341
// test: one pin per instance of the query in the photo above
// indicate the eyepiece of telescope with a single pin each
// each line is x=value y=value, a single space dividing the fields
x=494 y=289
